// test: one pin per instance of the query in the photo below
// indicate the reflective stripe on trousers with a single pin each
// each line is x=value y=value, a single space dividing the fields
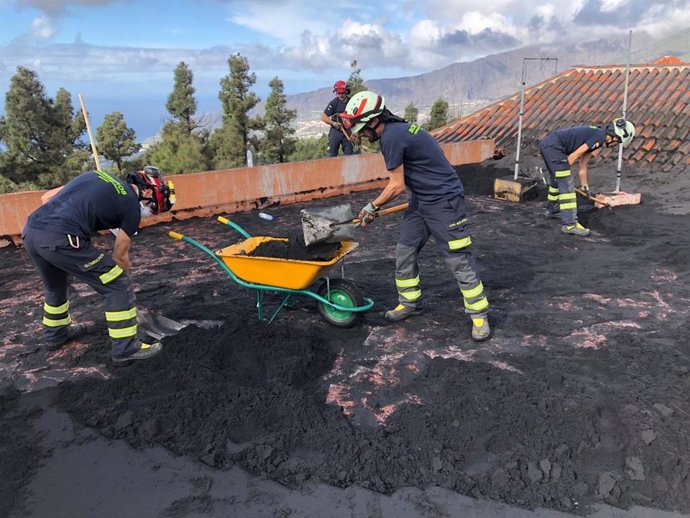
x=561 y=197
x=55 y=260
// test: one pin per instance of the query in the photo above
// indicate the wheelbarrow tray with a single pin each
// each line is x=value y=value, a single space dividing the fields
x=275 y=271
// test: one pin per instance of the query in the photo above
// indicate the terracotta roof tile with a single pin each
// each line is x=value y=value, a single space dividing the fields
x=658 y=105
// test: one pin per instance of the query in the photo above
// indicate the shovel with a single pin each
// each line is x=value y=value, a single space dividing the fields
x=157 y=326
x=593 y=198
x=335 y=224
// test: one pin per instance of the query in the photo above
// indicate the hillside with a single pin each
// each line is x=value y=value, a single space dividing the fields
x=469 y=86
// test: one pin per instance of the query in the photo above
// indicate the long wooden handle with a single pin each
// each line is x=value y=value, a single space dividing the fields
x=382 y=212
x=391 y=210
x=88 y=130
x=349 y=138
x=592 y=198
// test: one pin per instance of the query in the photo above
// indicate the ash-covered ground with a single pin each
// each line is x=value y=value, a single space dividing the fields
x=577 y=405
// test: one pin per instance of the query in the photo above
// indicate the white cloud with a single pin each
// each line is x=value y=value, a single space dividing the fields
x=286 y=20
x=42 y=28
x=317 y=37
x=56 y=7
x=608 y=6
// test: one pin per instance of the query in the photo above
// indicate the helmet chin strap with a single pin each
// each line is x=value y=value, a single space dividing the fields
x=372 y=130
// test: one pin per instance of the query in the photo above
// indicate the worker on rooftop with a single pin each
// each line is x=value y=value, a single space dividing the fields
x=561 y=150
x=414 y=159
x=57 y=237
x=337 y=136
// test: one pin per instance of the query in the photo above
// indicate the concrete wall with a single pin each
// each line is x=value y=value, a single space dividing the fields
x=245 y=188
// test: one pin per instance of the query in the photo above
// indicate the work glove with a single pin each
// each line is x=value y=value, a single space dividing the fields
x=337 y=125
x=367 y=214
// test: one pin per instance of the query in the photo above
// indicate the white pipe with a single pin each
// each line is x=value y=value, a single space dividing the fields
x=522 y=108
x=619 y=166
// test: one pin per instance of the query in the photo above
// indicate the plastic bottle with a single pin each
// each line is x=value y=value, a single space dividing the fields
x=265 y=216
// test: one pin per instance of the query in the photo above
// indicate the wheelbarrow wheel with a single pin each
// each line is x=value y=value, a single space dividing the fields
x=344 y=293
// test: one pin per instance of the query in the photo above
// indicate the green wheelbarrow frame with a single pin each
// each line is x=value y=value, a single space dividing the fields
x=330 y=305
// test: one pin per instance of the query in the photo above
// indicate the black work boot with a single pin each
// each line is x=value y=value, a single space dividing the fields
x=401 y=313
x=145 y=352
x=73 y=331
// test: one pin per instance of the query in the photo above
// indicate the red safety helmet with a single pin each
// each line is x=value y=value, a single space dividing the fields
x=163 y=196
x=340 y=87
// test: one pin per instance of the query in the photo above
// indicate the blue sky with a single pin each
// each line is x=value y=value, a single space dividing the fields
x=120 y=54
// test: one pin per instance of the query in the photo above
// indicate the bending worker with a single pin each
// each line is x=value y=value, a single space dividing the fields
x=561 y=150
x=337 y=135
x=414 y=159
x=57 y=237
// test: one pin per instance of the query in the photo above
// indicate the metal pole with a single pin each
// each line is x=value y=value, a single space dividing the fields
x=522 y=108
x=619 y=166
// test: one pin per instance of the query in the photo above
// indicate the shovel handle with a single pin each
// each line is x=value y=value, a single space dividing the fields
x=391 y=210
x=384 y=212
x=592 y=198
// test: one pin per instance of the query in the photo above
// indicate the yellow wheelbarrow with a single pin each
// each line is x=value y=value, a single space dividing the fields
x=339 y=300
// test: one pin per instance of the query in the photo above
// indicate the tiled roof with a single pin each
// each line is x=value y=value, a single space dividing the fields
x=658 y=106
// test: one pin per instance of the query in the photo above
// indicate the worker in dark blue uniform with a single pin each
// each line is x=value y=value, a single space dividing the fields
x=415 y=160
x=57 y=237
x=562 y=149
x=337 y=135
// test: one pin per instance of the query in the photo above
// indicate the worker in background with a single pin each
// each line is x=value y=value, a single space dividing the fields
x=414 y=159
x=337 y=135
x=57 y=237
x=561 y=150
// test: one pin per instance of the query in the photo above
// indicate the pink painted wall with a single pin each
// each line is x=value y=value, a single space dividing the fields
x=245 y=188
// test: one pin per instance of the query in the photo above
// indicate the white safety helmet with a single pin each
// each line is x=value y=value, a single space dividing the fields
x=363 y=107
x=622 y=129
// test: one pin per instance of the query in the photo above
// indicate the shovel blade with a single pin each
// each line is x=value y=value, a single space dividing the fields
x=328 y=225
x=158 y=326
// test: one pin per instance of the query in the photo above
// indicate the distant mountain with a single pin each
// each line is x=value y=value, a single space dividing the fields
x=468 y=86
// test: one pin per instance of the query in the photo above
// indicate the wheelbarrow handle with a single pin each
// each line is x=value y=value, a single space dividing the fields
x=226 y=221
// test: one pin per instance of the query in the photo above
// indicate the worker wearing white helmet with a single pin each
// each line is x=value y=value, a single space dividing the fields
x=415 y=161
x=565 y=147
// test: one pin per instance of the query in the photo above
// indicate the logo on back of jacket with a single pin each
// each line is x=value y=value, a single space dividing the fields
x=112 y=181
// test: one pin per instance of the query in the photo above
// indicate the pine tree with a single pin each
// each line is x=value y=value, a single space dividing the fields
x=181 y=102
x=411 y=113
x=41 y=135
x=438 y=116
x=355 y=82
x=310 y=148
x=115 y=140
x=183 y=144
x=231 y=142
x=179 y=152
x=278 y=141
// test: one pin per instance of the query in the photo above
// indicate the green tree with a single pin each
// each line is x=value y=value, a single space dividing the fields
x=230 y=143
x=183 y=143
x=278 y=140
x=411 y=113
x=310 y=148
x=438 y=116
x=355 y=81
x=181 y=102
x=41 y=135
x=179 y=152
x=115 y=140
